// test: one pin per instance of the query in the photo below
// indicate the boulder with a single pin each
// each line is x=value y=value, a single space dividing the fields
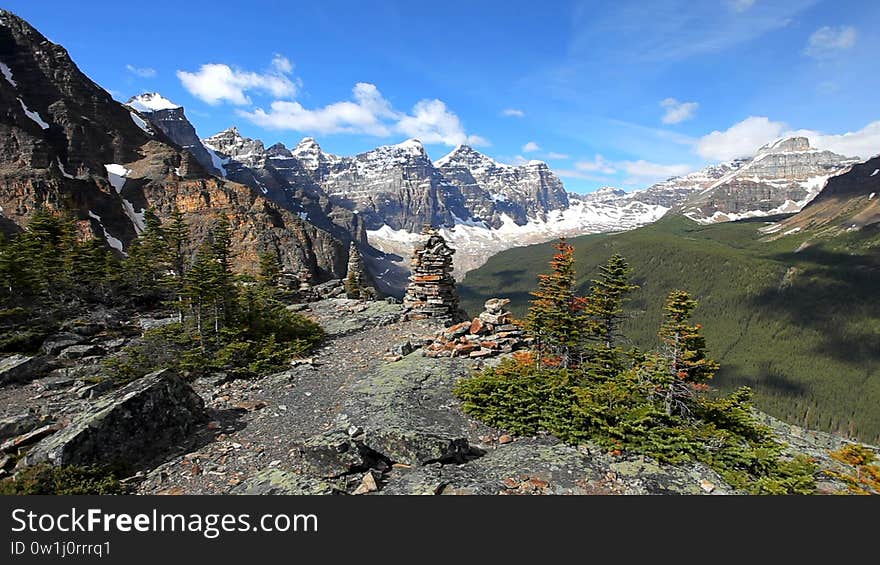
x=33 y=436
x=21 y=368
x=54 y=344
x=496 y=305
x=333 y=454
x=276 y=481
x=132 y=427
x=81 y=351
x=18 y=424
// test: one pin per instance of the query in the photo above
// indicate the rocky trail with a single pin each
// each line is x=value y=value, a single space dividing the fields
x=371 y=412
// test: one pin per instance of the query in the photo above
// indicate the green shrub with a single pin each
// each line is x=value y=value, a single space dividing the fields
x=64 y=480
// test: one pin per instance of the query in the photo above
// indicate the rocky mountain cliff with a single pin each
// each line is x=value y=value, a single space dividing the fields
x=847 y=203
x=782 y=177
x=66 y=145
x=171 y=120
x=492 y=189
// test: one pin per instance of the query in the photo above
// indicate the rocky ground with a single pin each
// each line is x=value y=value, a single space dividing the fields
x=367 y=414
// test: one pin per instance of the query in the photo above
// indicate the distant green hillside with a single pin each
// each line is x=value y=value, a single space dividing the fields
x=800 y=327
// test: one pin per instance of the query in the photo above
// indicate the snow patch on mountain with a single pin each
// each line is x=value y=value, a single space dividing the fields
x=33 y=115
x=139 y=122
x=7 y=74
x=151 y=102
x=116 y=175
x=111 y=241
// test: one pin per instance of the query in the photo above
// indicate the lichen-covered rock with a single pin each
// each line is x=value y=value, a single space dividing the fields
x=132 y=426
x=280 y=482
x=18 y=424
x=21 y=368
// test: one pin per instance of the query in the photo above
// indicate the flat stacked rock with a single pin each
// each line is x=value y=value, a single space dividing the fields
x=431 y=291
x=488 y=335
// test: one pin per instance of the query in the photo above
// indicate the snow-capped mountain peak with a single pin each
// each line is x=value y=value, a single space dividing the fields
x=469 y=158
x=151 y=102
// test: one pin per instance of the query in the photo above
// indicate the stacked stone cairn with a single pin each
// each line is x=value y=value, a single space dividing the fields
x=431 y=291
x=490 y=334
x=355 y=279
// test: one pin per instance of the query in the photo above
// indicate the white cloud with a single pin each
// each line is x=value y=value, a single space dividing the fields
x=214 y=83
x=677 y=112
x=740 y=5
x=598 y=164
x=282 y=64
x=432 y=122
x=739 y=140
x=744 y=138
x=144 y=72
x=643 y=172
x=365 y=115
x=370 y=113
x=864 y=143
x=513 y=113
x=828 y=41
x=552 y=155
x=531 y=147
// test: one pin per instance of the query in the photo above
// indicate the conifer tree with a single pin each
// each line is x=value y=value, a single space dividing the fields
x=146 y=265
x=209 y=282
x=556 y=314
x=604 y=307
x=177 y=242
x=687 y=366
x=270 y=270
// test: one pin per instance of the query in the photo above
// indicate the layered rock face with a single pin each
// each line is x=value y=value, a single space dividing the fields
x=280 y=176
x=132 y=426
x=491 y=189
x=66 y=145
x=782 y=177
x=171 y=120
x=848 y=202
x=394 y=185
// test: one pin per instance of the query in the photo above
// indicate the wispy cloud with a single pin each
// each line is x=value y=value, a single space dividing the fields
x=829 y=41
x=531 y=147
x=215 y=82
x=740 y=6
x=554 y=156
x=369 y=113
x=143 y=72
x=677 y=112
x=643 y=172
x=635 y=173
x=673 y=30
x=597 y=164
x=513 y=113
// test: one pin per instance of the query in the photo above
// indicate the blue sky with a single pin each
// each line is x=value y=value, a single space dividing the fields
x=608 y=93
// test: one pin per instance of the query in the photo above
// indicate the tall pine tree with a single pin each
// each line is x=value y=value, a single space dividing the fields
x=687 y=367
x=556 y=315
x=604 y=308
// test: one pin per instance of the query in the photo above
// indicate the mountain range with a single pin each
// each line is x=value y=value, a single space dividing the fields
x=69 y=145
x=483 y=206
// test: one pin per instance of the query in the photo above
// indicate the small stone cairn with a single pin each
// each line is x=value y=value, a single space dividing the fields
x=355 y=278
x=488 y=335
x=431 y=291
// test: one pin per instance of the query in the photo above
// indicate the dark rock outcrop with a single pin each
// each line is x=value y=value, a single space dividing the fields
x=132 y=426
x=21 y=368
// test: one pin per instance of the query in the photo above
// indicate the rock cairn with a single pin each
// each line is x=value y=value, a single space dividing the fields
x=431 y=291
x=489 y=334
